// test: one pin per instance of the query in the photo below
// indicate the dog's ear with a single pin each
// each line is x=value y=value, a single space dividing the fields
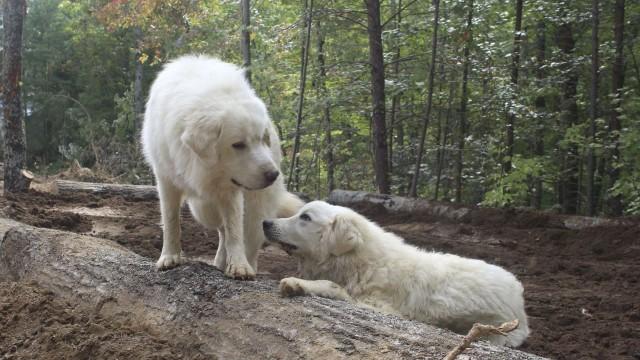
x=201 y=135
x=344 y=235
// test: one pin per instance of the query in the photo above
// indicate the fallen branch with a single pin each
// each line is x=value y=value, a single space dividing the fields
x=479 y=331
x=142 y=192
x=465 y=214
x=219 y=317
x=400 y=204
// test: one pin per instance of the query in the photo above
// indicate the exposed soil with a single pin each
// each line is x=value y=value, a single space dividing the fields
x=36 y=324
x=581 y=286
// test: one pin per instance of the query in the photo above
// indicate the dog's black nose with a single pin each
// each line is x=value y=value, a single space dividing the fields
x=271 y=176
x=266 y=225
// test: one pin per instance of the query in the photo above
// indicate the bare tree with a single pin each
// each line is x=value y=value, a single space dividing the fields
x=593 y=109
x=462 y=130
x=308 y=7
x=396 y=8
x=15 y=142
x=515 y=65
x=138 y=98
x=326 y=107
x=569 y=181
x=442 y=147
x=245 y=41
x=617 y=82
x=413 y=190
x=541 y=108
x=376 y=60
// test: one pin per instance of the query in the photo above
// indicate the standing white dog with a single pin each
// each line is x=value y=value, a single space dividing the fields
x=347 y=257
x=210 y=141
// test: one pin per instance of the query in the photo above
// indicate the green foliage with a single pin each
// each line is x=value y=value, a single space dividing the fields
x=514 y=189
x=79 y=70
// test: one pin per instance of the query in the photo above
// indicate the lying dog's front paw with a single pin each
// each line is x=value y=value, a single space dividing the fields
x=240 y=271
x=169 y=261
x=291 y=287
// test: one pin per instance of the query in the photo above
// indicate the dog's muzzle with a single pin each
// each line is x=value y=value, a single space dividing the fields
x=272 y=234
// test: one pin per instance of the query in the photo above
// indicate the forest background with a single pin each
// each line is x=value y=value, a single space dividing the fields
x=489 y=102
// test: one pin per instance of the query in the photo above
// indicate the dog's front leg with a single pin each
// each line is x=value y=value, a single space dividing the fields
x=292 y=286
x=220 y=261
x=237 y=266
x=170 y=199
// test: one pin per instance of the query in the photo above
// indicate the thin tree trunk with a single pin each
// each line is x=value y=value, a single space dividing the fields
x=376 y=60
x=138 y=98
x=617 y=81
x=15 y=141
x=569 y=117
x=303 y=81
x=326 y=107
x=442 y=151
x=593 y=110
x=396 y=8
x=463 y=104
x=541 y=109
x=245 y=38
x=511 y=112
x=636 y=67
x=439 y=130
x=413 y=190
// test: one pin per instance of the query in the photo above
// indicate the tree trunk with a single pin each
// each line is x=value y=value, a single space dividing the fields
x=15 y=143
x=396 y=8
x=515 y=66
x=442 y=151
x=245 y=38
x=413 y=190
x=138 y=98
x=617 y=82
x=463 y=104
x=569 y=117
x=326 y=107
x=142 y=192
x=223 y=317
x=459 y=214
x=592 y=200
x=303 y=80
x=376 y=60
x=541 y=109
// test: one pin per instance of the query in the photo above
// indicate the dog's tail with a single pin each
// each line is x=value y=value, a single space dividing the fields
x=289 y=205
x=520 y=334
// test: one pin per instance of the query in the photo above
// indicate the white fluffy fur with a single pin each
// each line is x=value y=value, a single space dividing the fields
x=345 y=256
x=210 y=141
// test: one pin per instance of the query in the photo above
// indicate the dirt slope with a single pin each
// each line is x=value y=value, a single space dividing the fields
x=581 y=287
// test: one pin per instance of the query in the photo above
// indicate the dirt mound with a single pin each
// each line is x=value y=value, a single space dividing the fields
x=33 y=209
x=38 y=325
x=581 y=286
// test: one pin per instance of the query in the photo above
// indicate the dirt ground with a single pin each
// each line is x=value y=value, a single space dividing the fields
x=581 y=286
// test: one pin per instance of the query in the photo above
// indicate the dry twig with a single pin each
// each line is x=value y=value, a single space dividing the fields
x=479 y=331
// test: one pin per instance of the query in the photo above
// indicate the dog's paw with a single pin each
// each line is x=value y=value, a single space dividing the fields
x=169 y=261
x=291 y=287
x=240 y=271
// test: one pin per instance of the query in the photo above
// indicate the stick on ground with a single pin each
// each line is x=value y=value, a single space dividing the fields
x=479 y=331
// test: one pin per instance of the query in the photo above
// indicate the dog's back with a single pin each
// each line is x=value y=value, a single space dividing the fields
x=445 y=289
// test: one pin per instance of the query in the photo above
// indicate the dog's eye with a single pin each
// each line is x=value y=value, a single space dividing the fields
x=239 y=145
x=305 y=217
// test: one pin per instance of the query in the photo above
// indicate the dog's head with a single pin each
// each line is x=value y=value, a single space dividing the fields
x=318 y=231
x=235 y=140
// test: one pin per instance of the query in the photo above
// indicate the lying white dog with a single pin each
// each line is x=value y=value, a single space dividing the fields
x=210 y=141
x=347 y=257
